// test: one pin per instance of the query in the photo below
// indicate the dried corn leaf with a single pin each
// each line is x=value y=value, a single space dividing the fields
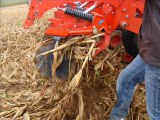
x=75 y=81
x=19 y=112
x=81 y=105
x=26 y=116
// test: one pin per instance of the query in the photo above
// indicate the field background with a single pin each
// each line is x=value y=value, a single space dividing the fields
x=25 y=95
x=11 y=2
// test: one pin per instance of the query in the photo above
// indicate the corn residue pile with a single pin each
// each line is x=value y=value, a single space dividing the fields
x=89 y=94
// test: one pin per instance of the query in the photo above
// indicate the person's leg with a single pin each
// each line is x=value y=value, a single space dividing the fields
x=152 y=78
x=127 y=81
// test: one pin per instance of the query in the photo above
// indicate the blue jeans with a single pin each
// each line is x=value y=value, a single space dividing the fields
x=136 y=72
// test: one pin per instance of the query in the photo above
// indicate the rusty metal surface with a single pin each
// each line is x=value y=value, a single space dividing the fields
x=44 y=63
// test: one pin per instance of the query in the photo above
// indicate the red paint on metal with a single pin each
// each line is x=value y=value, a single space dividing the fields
x=108 y=15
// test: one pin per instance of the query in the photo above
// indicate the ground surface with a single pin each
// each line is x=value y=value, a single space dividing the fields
x=24 y=94
x=11 y=2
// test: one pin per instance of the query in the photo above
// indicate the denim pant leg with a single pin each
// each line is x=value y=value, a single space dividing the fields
x=152 y=78
x=127 y=81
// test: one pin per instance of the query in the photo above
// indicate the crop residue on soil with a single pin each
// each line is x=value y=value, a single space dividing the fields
x=24 y=94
